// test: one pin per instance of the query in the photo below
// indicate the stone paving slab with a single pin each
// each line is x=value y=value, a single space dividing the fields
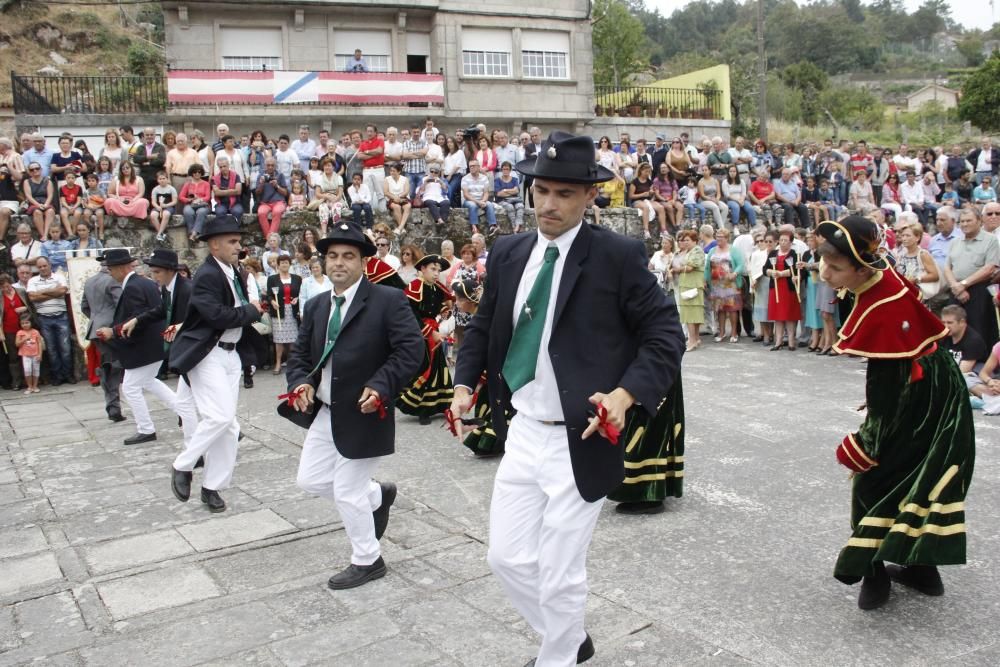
x=22 y=541
x=137 y=550
x=28 y=572
x=159 y=589
x=236 y=529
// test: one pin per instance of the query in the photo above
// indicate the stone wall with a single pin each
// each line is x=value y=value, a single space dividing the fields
x=420 y=231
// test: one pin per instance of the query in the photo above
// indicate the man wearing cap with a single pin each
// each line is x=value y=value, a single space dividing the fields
x=206 y=353
x=136 y=337
x=356 y=350
x=175 y=291
x=100 y=299
x=561 y=341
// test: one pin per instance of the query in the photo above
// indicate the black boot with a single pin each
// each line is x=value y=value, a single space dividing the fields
x=213 y=500
x=875 y=589
x=643 y=507
x=923 y=578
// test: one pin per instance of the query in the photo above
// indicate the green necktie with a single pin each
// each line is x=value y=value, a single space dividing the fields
x=169 y=305
x=332 y=331
x=522 y=355
x=239 y=289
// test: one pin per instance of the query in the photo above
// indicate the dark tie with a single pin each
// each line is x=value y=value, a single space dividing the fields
x=522 y=355
x=332 y=331
x=239 y=289
x=169 y=306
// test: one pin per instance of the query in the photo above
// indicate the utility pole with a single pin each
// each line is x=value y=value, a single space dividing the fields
x=761 y=71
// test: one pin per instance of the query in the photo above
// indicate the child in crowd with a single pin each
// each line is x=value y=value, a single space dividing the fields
x=29 y=348
x=105 y=174
x=93 y=204
x=949 y=197
x=164 y=201
x=828 y=200
x=361 y=201
x=70 y=203
x=315 y=173
x=297 y=198
x=837 y=182
x=689 y=195
x=810 y=197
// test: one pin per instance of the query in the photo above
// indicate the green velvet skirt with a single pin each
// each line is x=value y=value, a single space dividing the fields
x=425 y=398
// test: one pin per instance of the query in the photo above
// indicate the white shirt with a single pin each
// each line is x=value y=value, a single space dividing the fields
x=391 y=260
x=53 y=306
x=324 y=389
x=360 y=195
x=231 y=335
x=539 y=399
x=33 y=250
x=983 y=163
x=746 y=245
x=911 y=194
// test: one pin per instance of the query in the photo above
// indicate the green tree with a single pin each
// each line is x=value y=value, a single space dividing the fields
x=980 y=102
x=810 y=81
x=619 y=43
x=971 y=48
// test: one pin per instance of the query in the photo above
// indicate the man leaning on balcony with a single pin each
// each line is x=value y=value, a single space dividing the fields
x=357 y=64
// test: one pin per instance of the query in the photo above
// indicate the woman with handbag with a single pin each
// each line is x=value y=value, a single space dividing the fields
x=283 y=294
x=914 y=263
x=688 y=268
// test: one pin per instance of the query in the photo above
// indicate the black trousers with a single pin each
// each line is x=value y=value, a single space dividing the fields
x=793 y=213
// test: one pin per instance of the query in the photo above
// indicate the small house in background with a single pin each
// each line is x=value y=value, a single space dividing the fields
x=946 y=97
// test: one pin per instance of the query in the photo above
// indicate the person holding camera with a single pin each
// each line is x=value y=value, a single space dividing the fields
x=397 y=194
x=272 y=197
x=433 y=192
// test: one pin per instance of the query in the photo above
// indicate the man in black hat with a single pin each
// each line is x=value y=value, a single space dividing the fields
x=136 y=337
x=205 y=353
x=355 y=352
x=175 y=291
x=573 y=332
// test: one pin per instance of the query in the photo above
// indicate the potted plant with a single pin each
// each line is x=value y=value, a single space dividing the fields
x=635 y=106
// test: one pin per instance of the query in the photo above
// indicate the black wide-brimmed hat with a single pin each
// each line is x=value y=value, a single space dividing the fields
x=432 y=259
x=858 y=237
x=349 y=234
x=116 y=257
x=163 y=258
x=226 y=224
x=567 y=158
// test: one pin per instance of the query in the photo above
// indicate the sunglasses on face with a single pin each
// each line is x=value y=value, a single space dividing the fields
x=34 y=168
x=382 y=245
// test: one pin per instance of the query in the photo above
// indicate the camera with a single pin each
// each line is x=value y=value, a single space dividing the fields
x=471 y=132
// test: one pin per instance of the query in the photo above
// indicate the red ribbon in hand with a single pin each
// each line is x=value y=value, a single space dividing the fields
x=604 y=427
x=451 y=422
x=380 y=406
x=291 y=396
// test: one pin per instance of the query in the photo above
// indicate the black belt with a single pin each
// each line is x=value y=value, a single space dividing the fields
x=228 y=347
x=549 y=423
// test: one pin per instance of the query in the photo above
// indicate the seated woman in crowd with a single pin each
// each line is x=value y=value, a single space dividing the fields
x=196 y=198
x=397 y=196
x=85 y=245
x=433 y=192
x=735 y=192
x=984 y=193
x=913 y=262
x=486 y=157
x=665 y=191
x=862 y=197
x=678 y=161
x=328 y=196
x=688 y=268
x=39 y=195
x=227 y=189
x=507 y=194
x=627 y=164
x=125 y=196
x=607 y=157
x=890 y=196
x=640 y=193
x=708 y=193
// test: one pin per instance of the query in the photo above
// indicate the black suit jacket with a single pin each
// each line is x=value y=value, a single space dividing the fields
x=275 y=281
x=212 y=309
x=148 y=166
x=140 y=299
x=613 y=327
x=973 y=159
x=379 y=346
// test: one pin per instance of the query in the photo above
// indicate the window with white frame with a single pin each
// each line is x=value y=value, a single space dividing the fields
x=375 y=45
x=486 y=52
x=544 y=54
x=250 y=48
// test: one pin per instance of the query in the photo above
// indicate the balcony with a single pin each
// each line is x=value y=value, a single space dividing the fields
x=657 y=102
x=187 y=89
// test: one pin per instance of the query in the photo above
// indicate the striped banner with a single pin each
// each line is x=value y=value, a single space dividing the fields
x=287 y=87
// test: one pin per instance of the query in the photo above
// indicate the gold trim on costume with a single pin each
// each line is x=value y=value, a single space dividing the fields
x=935 y=508
x=652 y=477
x=864 y=543
x=677 y=428
x=891 y=355
x=943 y=482
x=861 y=452
x=876 y=522
x=636 y=437
x=633 y=465
x=930 y=528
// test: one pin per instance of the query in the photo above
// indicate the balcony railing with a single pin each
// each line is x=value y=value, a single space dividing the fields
x=654 y=102
x=53 y=95
x=46 y=95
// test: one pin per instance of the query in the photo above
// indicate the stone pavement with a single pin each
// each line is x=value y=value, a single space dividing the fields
x=100 y=565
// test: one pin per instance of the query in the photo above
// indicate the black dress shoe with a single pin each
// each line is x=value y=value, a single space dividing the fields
x=923 y=578
x=70 y=380
x=213 y=500
x=180 y=484
x=583 y=654
x=247 y=382
x=425 y=420
x=116 y=417
x=200 y=463
x=875 y=589
x=357 y=575
x=139 y=438
x=642 y=507
x=381 y=514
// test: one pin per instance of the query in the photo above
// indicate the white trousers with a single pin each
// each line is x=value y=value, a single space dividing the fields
x=215 y=385
x=375 y=178
x=540 y=530
x=325 y=472
x=144 y=378
x=186 y=410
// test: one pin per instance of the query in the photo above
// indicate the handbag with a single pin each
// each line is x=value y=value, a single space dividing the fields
x=263 y=325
